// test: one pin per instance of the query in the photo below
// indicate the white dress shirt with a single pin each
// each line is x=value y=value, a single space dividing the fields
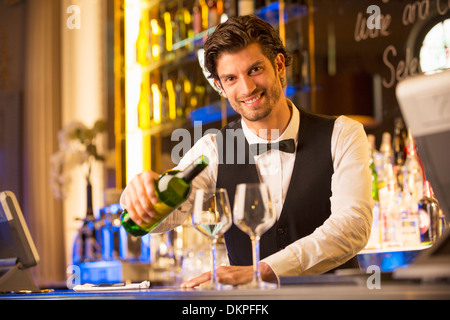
x=347 y=229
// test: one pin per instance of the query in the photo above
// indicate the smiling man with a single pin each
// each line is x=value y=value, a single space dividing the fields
x=253 y=87
x=320 y=183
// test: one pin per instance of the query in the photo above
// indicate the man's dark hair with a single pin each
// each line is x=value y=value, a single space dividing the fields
x=236 y=34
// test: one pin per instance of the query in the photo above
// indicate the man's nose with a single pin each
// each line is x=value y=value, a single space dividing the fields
x=247 y=85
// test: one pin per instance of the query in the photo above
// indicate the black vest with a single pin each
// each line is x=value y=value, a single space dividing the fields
x=307 y=203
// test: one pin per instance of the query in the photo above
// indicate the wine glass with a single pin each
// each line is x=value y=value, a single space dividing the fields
x=212 y=216
x=254 y=214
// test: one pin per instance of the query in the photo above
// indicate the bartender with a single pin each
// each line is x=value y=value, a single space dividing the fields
x=318 y=174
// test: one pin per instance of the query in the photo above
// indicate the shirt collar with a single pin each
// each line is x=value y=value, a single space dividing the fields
x=291 y=131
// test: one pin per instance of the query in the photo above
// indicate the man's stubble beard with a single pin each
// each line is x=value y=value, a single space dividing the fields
x=264 y=110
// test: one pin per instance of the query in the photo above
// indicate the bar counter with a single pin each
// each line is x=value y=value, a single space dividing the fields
x=359 y=290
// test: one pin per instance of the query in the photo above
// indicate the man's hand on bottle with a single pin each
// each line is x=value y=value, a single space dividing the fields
x=139 y=195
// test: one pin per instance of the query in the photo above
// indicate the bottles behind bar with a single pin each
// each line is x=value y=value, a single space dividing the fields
x=388 y=190
x=375 y=234
x=412 y=191
x=170 y=32
x=430 y=224
x=407 y=213
x=398 y=146
x=172 y=189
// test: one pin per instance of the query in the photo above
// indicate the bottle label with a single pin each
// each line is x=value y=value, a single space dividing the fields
x=162 y=211
x=424 y=221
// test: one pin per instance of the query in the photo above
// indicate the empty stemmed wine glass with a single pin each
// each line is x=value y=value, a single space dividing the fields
x=253 y=213
x=212 y=216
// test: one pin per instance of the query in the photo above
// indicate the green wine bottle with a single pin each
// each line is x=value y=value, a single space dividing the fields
x=172 y=188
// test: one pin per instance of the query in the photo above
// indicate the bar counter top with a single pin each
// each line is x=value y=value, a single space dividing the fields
x=336 y=291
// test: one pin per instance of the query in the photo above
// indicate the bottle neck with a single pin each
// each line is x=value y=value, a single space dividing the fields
x=89 y=206
x=194 y=169
x=428 y=191
x=411 y=149
x=410 y=145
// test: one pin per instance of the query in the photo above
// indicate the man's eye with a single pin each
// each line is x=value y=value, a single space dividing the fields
x=255 y=69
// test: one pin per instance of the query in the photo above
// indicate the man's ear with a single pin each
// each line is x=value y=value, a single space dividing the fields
x=280 y=65
x=219 y=87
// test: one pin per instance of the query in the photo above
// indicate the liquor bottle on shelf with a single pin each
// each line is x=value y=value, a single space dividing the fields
x=429 y=216
x=183 y=23
x=200 y=16
x=172 y=188
x=162 y=32
x=157 y=103
x=412 y=193
x=443 y=222
x=213 y=13
x=389 y=192
x=189 y=91
x=398 y=146
x=168 y=28
x=398 y=141
x=409 y=233
x=375 y=154
x=387 y=178
x=179 y=27
x=200 y=93
x=205 y=14
x=183 y=94
x=229 y=10
x=386 y=147
x=220 y=10
x=171 y=103
x=375 y=239
x=142 y=43
x=144 y=107
x=164 y=100
x=155 y=36
x=179 y=95
x=197 y=17
x=413 y=175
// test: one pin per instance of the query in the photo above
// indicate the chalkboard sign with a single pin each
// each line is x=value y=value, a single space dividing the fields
x=364 y=48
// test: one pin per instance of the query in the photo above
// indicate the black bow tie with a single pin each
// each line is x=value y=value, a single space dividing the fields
x=283 y=145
